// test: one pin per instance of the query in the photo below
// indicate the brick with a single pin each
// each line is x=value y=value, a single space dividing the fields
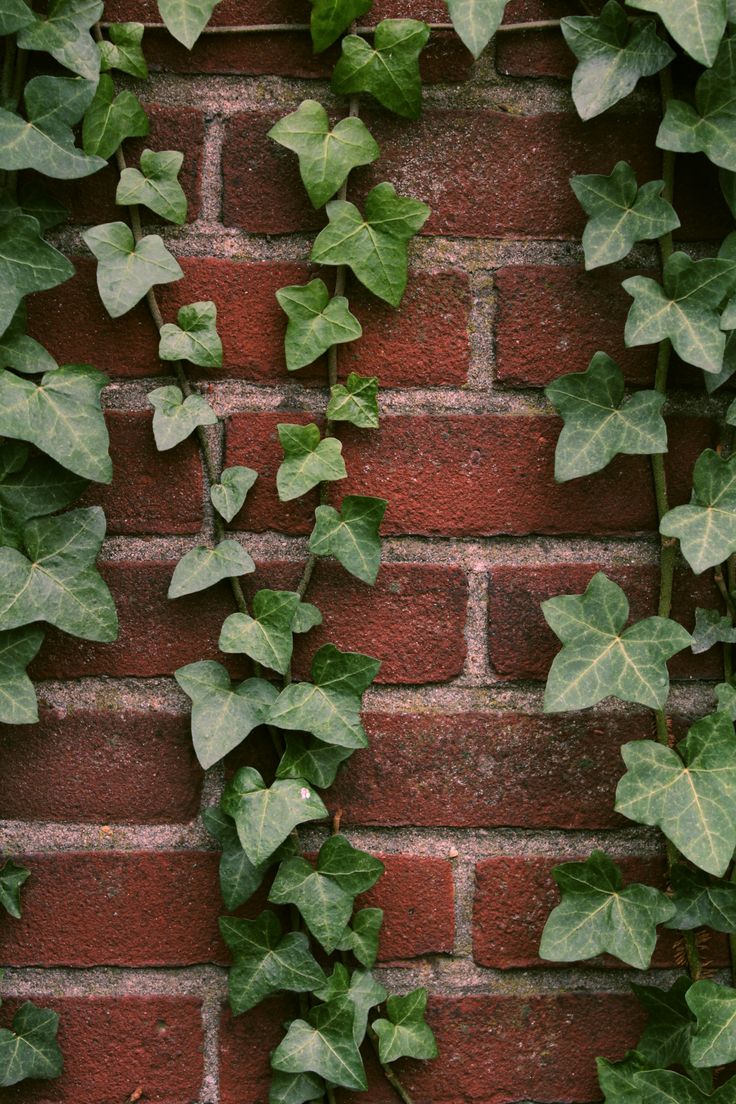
x=114 y=1046
x=417 y=898
x=108 y=765
x=535 y=53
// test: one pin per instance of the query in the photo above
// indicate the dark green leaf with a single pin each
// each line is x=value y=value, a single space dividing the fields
x=230 y=493
x=44 y=140
x=239 y=878
x=123 y=50
x=204 y=567
x=331 y=17
x=726 y=695
x=27 y=263
x=354 y=871
x=264 y=816
x=305 y=757
x=714 y=1038
x=195 y=338
x=324 y=905
x=405 y=1034
x=308 y=460
x=14 y=14
x=670 y=1023
x=110 y=119
x=355 y=401
x=155 y=185
x=30 y=1050
x=266 y=961
x=295 y=1088
x=389 y=70
x=706 y=528
x=351 y=535
x=711 y=627
x=128 y=270
x=176 y=417
x=22 y=353
x=362 y=937
x=618 y=1079
x=668 y=1087
x=315 y=322
x=701 y=902
x=222 y=715
x=323 y=1044
x=361 y=988
x=12 y=878
x=710 y=126
x=267 y=636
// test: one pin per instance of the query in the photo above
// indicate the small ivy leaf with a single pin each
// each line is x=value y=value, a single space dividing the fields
x=375 y=247
x=295 y=1088
x=186 y=19
x=30 y=1050
x=230 y=493
x=714 y=1038
x=27 y=263
x=700 y=902
x=318 y=763
x=476 y=21
x=325 y=907
x=128 y=270
x=306 y=616
x=326 y=157
x=697 y=25
x=405 y=1034
x=110 y=119
x=64 y=34
x=711 y=627
x=17 y=693
x=44 y=140
x=613 y=54
x=389 y=70
x=670 y=1024
x=597 y=915
x=22 y=353
x=668 y=1087
x=123 y=50
x=308 y=460
x=355 y=401
x=176 y=417
x=600 y=658
x=362 y=938
x=354 y=870
x=12 y=878
x=688 y=792
x=600 y=423
x=266 y=961
x=361 y=988
x=315 y=322
x=155 y=185
x=706 y=528
x=330 y=708
x=62 y=416
x=267 y=636
x=14 y=14
x=618 y=1079
x=265 y=815
x=204 y=567
x=239 y=878
x=620 y=214
x=195 y=338
x=710 y=126
x=30 y=487
x=324 y=1044
x=222 y=715
x=726 y=696
x=331 y=17
x=351 y=535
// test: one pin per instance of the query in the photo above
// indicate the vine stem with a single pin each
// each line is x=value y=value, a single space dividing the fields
x=276 y=28
x=388 y=1073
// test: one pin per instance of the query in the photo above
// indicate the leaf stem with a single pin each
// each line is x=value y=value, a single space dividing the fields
x=388 y=1073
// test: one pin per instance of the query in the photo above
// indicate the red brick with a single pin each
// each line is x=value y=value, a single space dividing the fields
x=417 y=898
x=245 y=1044
x=113 y=1046
x=105 y=765
x=535 y=53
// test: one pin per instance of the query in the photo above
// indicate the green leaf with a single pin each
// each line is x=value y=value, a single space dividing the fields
x=315 y=322
x=63 y=32
x=308 y=460
x=711 y=627
x=706 y=528
x=44 y=140
x=14 y=14
x=668 y=1087
x=688 y=792
x=264 y=816
x=204 y=567
x=195 y=338
x=620 y=214
x=267 y=961
x=222 y=715
x=351 y=535
x=27 y=263
x=697 y=25
x=326 y=156
x=618 y=1079
x=267 y=636
x=361 y=988
x=700 y=902
x=613 y=54
x=389 y=70
x=12 y=878
x=670 y=1024
x=405 y=1034
x=123 y=50
x=600 y=659
x=305 y=757
x=362 y=937
x=239 y=878
x=331 y=17
x=354 y=871
x=597 y=915
x=30 y=487
x=710 y=126
x=295 y=1088
x=230 y=493
x=726 y=695
x=374 y=247
x=476 y=21
x=176 y=417
x=17 y=693
x=35 y=201
x=600 y=423
x=306 y=616
x=186 y=19
x=30 y=1050
x=155 y=185
x=21 y=352
x=355 y=401
x=323 y=1044
x=714 y=1038
x=110 y=119
x=128 y=270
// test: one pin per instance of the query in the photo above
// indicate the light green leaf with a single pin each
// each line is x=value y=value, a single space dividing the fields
x=110 y=119
x=331 y=17
x=361 y=988
x=12 y=878
x=63 y=32
x=389 y=70
x=351 y=535
x=267 y=636
x=295 y=1088
x=706 y=528
x=600 y=423
x=17 y=693
x=362 y=937
x=618 y=1079
x=688 y=792
x=155 y=185
x=195 y=338
x=306 y=616
x=222 y=715
x=701 y=902
x=697 y=25
x=476 y=21
x=14 y=14
x=710 y=126
x=670 y=1024
x=305 y=757
x=230 y=493
x=30 y=1050
x=265 y=815
x=405 y=1034
x=668 y=1087
x=711 y=627
x=44 y=140
x=126 y=270
x=176 y=417
x=714 y=1039
x=726 y=695
x=239 y=878
x=27 y=263
x=315 y=322
x=375 y=247
x=21 y=352
x=326 y=156
x=123 y=50
x=186 y=19
x=308 y=460
x=204 y=567
x=267 y=961
x=355 y=401
x=600 y=659
x=323 y=1044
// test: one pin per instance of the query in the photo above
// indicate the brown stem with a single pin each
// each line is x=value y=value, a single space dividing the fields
x=388 y=1073
x=283 y=28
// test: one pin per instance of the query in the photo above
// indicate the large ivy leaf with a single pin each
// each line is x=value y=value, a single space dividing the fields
x=186 y=19
x=668 y=1087
x=323 y=1044
x=222 y=715
x=14 y=14
x=711 y=627
x=195 y=338
x=701 y=902
x=29 y=487
x=375 y=247
x=389 y=69
x=697 y=25
x=305 y=757
x=230 y=493
x=600 y=423
x=688 y=792
x=331 y=17
x=709 y=126
x=351 y=535
x=308 y=460
x=44 y=139
x=128 y=270
x=123 y=50
x=600 y=658
x=355 y=401
x=155 y=185
x=713 y=1041
x=670 y=1025
x=204 y=567
x=30 y=1050
x=267 y=637
x=326 y=156
x=620 y=214
x=597 y=915
x=706 y=527
x=17 y=693
x=176 y=417
x=239 y=877
x=354 y=870
x=361 y=988
x=27 y=263
x=613 y=54
x=12 y=878
x=267 y=961
x=21 y=352
x=476 y=21
x=265 y=815
x=63 y=32
x=315 y=322
x=362 y=937
x=405 y=1034
x=110 y=119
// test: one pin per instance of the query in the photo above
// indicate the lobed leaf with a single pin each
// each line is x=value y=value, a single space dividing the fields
x=155 y=185
x=63 y=32
x=195 y=338
x=312 y=760
x=14 y=14
x=360 y=988
x=405 y=1034
x=239 y=877
x=323 y=1044
x=266 y=961
x=389 y=69
x=44 y=140
x=710 y=125
x=265 y=815
x=230 y=493
x=267 y=637
x=176 y=417
x=127 y=270
x=355 y=401
x=476 y=21
x=110 y=119
x=17 y=693
x=12 y=877
x=713 y=1041
x=362 y=937
x=331 y=17
x=668 y=1034
x=222 y=715
x=30 y=1050
x=316 y=322
x=706 y=528
x=205 y=567
x=308 y=460
x=711 y=627
x=27 y=263
x=701 y=902
x=351 y=535
x=22 y=353
x=697 y=25
x=123 y=50
x=186 y=19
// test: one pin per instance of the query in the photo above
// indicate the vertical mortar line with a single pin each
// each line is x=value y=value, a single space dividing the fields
x=477 y=668
x=211 y=1019
x=211 y=190
x=463 y=875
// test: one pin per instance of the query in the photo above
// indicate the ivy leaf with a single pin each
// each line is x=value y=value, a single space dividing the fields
x=186 y=19
x=714 y=1038
x=600 y=659
x=330 y=707
x=355 y=401
x=128 y=270
x=27 y=263
x=30 y=1050
x=361 y=988
x=308 y=460
x=267 y=636
x=324 y=905
x=239 y=878
x=230 y=493
x=726 y=696
x=701 y=902
x=688 y=792
x=354 y=870
x=389 y=70
x=315 y=322
x=222 y=715
x=306 y=616
x=314 y=761
x=597 y=915
x=195 y=338
x=375 y=247
x=44 y=140
x=331 y=17
x=362 y=938
x=476 y=21
x=37 y=202
x=351 y=535
x=12 y=878
x=697 y=25
x=706 y=528
x=600 y=423
x=618 y=1079
x=613 y=54
x=204 y=567
x=17 y=693
x=405 y=1034
x=176 y=417
x=323 y=1044
x=265 y=815
x=267 y=961
x=295 y=1088
x=30 y=487
x=620 y=214
x=14 y=14
x=670 y=1024
x=62 y=416
x=110 y=119
x=711 y=627
x=21 y=352
x=668 y=1087
x=326 y=156
x=64 y=33
x=710 y=126
x=155 y=185
x=123 y=50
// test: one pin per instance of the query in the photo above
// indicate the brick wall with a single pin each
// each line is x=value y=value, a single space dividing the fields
x=467 y=792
